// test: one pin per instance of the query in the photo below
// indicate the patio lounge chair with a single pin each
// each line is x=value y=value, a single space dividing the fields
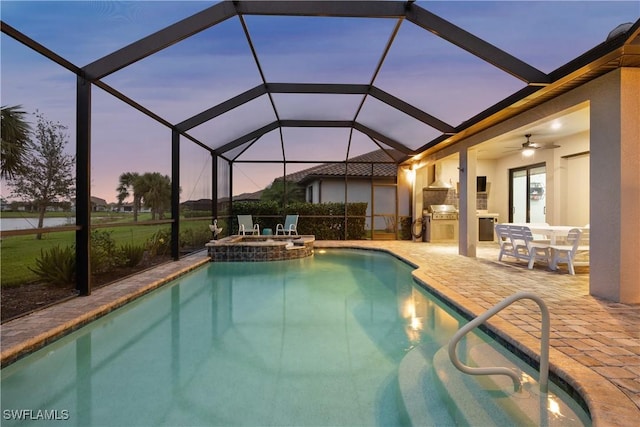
x=290 y=226
x=246 y=225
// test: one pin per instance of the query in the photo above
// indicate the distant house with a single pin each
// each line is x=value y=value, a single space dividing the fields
x=371 y=178
x=98 y=204
x=128 y=208
x=325 y=183
x=4 y=205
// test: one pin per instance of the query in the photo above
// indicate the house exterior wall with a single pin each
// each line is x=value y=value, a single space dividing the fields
x=405 y=184
x=572 y=180
x=615 y=186
x=313 y=192
x=614 y=177
x=360 y=190
x=630 y=183
x=450 y=173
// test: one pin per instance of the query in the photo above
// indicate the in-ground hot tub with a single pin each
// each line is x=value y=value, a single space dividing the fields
x=260 y=248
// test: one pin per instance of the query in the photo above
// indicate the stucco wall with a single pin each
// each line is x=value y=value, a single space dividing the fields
x=615 y=196
x=614 y=193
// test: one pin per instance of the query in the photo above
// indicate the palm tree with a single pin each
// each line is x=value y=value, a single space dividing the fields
x=156 y=193
x=151 y=189
x=15 y=143
x=130 y=181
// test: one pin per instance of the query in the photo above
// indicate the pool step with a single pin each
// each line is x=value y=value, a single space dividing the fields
x=421 y=399
x=486 y=400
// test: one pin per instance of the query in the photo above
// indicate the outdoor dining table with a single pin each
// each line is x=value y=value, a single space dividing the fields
x=553 y=231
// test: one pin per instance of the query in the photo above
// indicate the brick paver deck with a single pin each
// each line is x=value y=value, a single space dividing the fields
x=595 y=344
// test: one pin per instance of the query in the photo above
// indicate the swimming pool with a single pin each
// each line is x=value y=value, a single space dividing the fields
x=340 y=338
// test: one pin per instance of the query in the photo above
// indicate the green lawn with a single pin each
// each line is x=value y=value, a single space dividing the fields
x=18 y=253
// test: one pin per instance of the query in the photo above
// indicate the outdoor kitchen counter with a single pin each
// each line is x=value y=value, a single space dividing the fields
x=487 y=215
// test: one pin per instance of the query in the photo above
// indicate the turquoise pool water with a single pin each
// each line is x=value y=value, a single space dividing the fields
x=317 y=341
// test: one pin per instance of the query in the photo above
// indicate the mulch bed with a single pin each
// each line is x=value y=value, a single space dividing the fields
x=17 y=301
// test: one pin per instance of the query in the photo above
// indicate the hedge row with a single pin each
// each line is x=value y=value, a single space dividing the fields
x=326 y=220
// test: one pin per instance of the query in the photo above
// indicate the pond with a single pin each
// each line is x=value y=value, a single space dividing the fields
x=7 y=224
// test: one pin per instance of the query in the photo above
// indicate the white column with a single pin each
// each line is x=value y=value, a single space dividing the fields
x=467 y=203
x=615 y=187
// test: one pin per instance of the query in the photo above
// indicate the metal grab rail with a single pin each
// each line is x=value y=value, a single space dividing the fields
x=544 y=343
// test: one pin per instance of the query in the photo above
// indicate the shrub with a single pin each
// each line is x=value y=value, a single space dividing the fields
x=131 y=254
x=105 y=256
x=328 y=223
x=159 y=243
x=267 y=214
x=324 y=220
x=56 y=266
x=194 y=237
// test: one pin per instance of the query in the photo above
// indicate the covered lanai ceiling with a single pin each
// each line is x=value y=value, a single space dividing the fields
x=321 y=81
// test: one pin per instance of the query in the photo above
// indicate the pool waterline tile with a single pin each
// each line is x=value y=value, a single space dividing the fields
x=472 y=284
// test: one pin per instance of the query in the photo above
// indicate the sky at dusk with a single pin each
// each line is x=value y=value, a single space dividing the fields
x=216 y=64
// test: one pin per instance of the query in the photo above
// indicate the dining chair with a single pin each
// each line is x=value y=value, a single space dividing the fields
x=565 y=254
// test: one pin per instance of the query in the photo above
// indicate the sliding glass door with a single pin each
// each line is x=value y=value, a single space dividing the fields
x=527 y=188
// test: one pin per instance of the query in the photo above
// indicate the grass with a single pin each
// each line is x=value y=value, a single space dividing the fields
x=18 y=253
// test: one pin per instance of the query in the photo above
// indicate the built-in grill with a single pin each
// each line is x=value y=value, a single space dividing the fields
x=443 y=212
x=440 y=223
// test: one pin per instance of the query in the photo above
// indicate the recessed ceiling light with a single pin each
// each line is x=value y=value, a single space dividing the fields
x=555 y=125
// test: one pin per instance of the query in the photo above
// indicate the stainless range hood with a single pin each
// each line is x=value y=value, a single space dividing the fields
x=438 y=183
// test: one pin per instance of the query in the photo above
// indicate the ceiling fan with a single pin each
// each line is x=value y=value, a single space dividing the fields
x=529 y=147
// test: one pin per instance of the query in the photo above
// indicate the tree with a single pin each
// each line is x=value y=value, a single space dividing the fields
x=15 y=142
x=130 y=181
x=276 y=192
x=156 y=193
x=151 y=189
x=47 y=175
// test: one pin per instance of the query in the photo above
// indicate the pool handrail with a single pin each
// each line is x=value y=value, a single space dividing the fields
x=497 y=370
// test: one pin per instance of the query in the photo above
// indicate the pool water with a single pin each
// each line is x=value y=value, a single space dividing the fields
x=309 y=342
